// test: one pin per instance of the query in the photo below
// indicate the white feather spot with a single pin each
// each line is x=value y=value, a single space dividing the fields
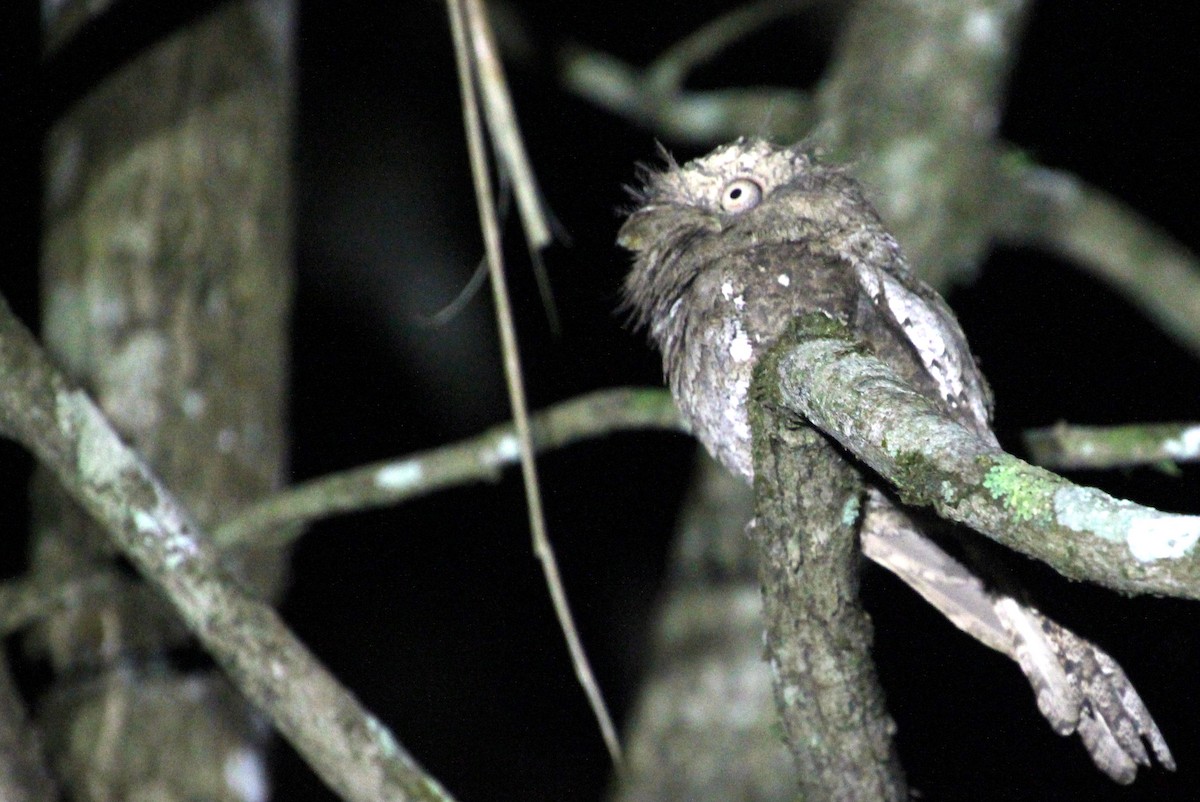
x=145 y=522
x=726 y=290
x=740 y=349
x=784 y=280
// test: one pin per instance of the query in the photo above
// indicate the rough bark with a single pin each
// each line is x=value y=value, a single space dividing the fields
x=832 y=380
x=807 y=507
x=166 y=284
x=704 y=727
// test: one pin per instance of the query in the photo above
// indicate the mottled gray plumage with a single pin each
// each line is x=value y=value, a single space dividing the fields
x=728 y=250
x=718 y=278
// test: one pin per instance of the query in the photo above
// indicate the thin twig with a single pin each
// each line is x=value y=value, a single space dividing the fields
x=280 y=518
x=656 y=97
x=492 y=88
x=512 y=368
x=666 y=75
x=1098 y=447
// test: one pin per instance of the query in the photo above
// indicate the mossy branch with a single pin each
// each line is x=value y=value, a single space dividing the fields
x=1099 y=447
x=282 y=516
x=348 y=748
x=829 y=379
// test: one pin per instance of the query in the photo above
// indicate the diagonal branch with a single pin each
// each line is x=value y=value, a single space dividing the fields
x=1056 y=211
x=348 y=748
x=656 y=97
x=282 y=515
x=831 y=380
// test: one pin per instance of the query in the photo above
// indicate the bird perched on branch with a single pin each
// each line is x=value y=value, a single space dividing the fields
x=729 y=249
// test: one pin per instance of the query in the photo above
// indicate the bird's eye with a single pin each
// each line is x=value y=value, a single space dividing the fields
x=741 y=195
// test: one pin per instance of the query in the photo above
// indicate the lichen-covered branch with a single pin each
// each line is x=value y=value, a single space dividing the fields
x=480 y=458
x=818 y=637
x=832 y=381
x=1071 y=447
x=345 y=745
x=1056 y=211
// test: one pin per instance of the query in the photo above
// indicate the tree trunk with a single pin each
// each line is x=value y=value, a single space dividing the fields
x=166 y=286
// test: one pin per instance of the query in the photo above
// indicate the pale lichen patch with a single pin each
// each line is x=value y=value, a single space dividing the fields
x=101 y=458
x=1186 y=445
x=1085 y=509
x=178 y=544
x=383 y=737
x=1162 y=538
x=506 y=451
x=132 y=381
x=246 y=775
x=193 y=404
x=982 y=28
x=399 y=475
x=905 y=164
x=1149 y=534
x=850 y=510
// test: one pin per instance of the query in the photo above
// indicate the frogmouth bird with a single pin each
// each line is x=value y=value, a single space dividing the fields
x=731 y=247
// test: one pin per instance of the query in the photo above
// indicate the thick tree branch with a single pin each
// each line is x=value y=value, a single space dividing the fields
x=1064 y=446
x=914 y=93
x=818 y=638
x=829 y=379
x=347 y=747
